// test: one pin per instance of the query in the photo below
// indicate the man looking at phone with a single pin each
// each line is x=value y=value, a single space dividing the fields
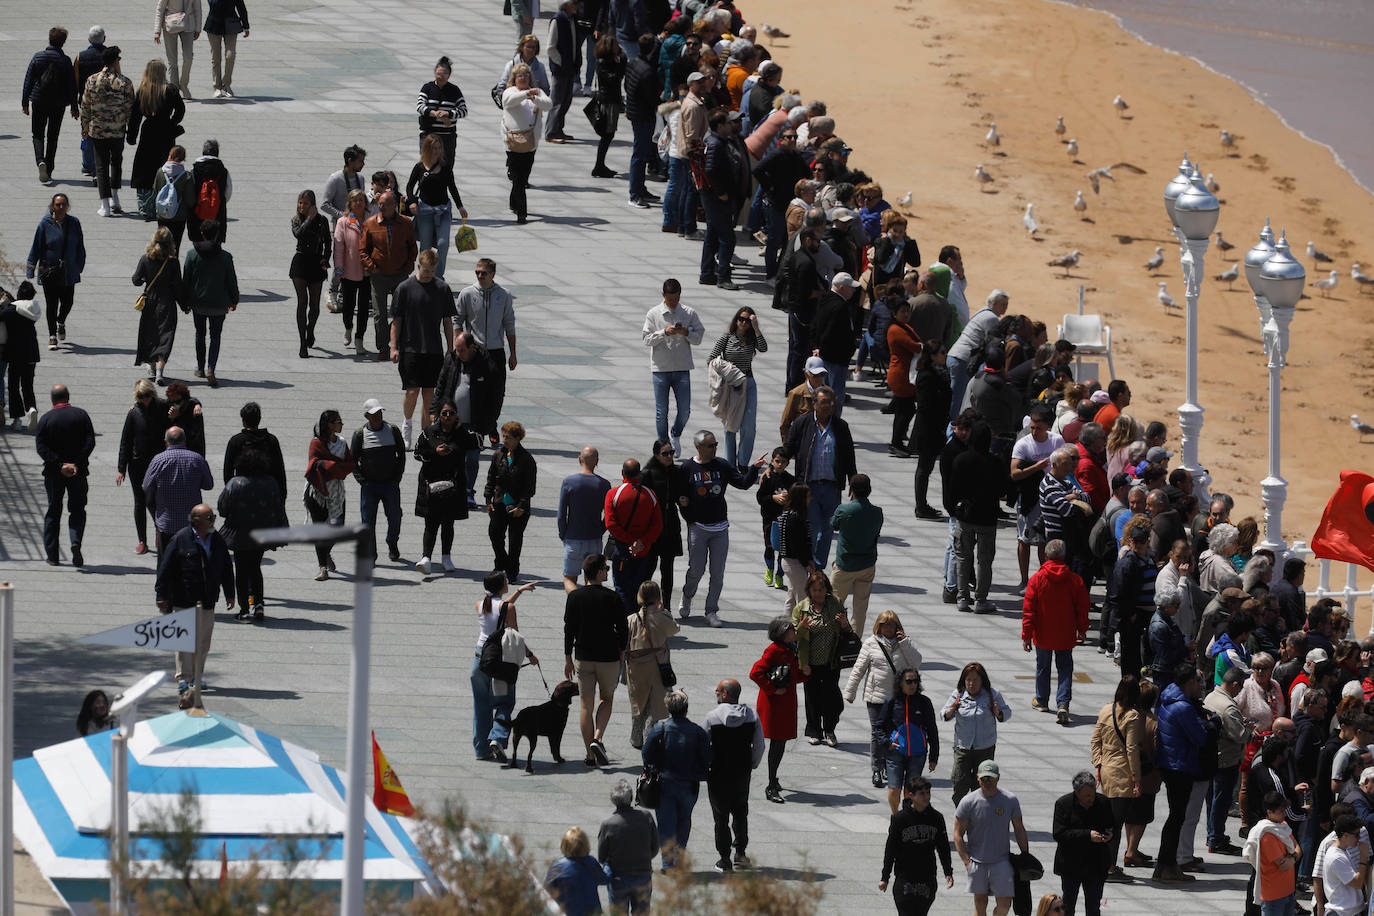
x=671 y=329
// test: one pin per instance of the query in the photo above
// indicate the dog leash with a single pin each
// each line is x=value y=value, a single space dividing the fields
x=542 y=678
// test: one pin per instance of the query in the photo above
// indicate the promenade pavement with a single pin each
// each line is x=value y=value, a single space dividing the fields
x=311 y=79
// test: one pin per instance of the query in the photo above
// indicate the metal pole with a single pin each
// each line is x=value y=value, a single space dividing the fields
x=119 y=821
x=1274 y=487
x=355 y=831
x=1190 y=412
x=6 y=749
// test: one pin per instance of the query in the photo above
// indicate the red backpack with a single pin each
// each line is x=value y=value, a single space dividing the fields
x=208 y=200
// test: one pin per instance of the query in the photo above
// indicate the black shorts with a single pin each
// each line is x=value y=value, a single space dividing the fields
x=420 y=370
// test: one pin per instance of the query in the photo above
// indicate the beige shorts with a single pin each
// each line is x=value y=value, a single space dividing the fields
x=597 y=674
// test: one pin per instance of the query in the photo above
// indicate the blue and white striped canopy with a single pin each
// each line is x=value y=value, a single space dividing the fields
x=251 y=787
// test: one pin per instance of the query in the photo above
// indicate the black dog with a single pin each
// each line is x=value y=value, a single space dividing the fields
x=547 y=719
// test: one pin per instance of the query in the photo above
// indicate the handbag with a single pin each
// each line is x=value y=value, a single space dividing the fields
x=465 y=239
x=593 y=112
x=779 y=676
x=847 y=652
x=49 y=272
x=665 y=668
x=520 y=141
x=648 y=789
x=174 y=23
x=142 y=300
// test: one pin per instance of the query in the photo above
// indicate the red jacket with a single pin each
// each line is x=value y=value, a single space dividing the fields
x=632 y=514
x=322 y=466
x=1092 y=476
x=1055 y=612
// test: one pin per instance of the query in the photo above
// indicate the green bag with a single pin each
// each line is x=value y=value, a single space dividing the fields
x=466 y=238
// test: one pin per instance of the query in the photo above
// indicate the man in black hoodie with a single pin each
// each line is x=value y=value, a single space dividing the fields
x=260 y=441
x=1001 y=405
x=977 y=480
x=915 y=836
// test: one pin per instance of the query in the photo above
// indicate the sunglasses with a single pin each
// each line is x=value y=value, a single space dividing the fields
x=482 y=273
x=667 y=453
x=448 y=413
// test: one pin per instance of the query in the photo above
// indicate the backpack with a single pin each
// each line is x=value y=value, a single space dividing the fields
x=44 y=82
x=208 y=199
x=168 y=202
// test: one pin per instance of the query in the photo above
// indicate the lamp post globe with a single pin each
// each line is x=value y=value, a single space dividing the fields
x=1282 y=277
x=1176 y=186
x=1196 y=209
x=1256 y=256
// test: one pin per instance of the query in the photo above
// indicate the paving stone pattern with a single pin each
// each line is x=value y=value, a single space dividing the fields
x=311 y=79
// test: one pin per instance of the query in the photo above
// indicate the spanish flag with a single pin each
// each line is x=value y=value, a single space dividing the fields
x=1346 y=531
x=387 y=793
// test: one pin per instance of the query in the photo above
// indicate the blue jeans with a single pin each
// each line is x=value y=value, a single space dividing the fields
x=825 y=499
x=486 y=705
x=901 y=767
x=389 y=495
x=745 y=452
x=641 y=155
x=680 y=198
x=432 y=225
x=631 y=893
x=839 y=374
x=1063 y=663
x=719 y=245
x=679 y=797
x=680 y=383
x=958 y=384
x=951 y=561
x=1219 y=804
x=1288 y=906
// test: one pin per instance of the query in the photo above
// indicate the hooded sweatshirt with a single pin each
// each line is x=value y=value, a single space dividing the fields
x=732 y=743
x=175 y=174
x=209 y=282
x=1055 y=609
x=1226 y=654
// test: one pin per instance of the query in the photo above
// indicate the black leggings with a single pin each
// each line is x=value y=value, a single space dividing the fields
x=518 y=168
x=318 y=515
x=903 y=411
x=776 y=747
x=913 y=898
x=21 y=389
x=307 y=308
x=357 y=295
x=665 y=575
x=924 y=465
x=58 y=297
x=603 y=147
x=436 y=524
x=142 y=506
x=248 y=576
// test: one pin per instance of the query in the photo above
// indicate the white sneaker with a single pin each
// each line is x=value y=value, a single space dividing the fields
x=713 y=620
x=114 y=203
x=218 y=93
x=407 y=432
x=104 y=208
x=677 y=446
x=423 y=565
x=226 y=93
x=31 y=418
x=448 y=564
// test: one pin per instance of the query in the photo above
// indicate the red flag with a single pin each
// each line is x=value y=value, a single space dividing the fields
x=387 y=793
x=223 y=863
x=1346 y=531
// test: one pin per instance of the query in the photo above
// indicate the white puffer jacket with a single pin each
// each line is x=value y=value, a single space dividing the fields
x=873 y=671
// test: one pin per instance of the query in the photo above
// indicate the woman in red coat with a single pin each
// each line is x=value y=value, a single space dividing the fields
x=777 y=705
x=903 y=346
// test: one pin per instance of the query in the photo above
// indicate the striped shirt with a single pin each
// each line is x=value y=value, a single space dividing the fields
x=739 y=353
x=449 y=98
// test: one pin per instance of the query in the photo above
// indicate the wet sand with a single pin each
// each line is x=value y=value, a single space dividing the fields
x=915 y=104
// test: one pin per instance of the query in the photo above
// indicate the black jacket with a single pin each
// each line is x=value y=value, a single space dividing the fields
x=799 y=285
x=379 y=464
x=779 y=172
x=726 y=172
x=801 y=439
x=667 y=485
x=831 y=330
x=516 y=478
x=247 y=504
x=641 y=91
x=917 y=709
x=932 y=408
x=794 y=536
x=22 y=346
x=65 y=436
x=768 y=488
x=50 y=80
x=914 y=839
x=1075 y=854
x=262 y=442
x=595 y=628
x=451 y=467
x=191 y=423
x=977 y=481
x=220 y=10
x=144 y=435
x=186 y=575
x=474 y=373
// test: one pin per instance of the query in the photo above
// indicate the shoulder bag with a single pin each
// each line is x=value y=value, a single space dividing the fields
x=142 y=300
x=779 y=676
x=491 y=663
x=848 y=649
x=665 y=668
x=520 y=141
x=648 y=789
x=1150 y=777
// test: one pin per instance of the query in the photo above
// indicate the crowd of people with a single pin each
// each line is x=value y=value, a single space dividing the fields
x=1234 y=693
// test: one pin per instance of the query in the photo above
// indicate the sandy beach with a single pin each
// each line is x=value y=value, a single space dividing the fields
x=915 y=102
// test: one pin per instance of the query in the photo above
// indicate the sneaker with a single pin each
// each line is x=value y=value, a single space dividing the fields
x=217 y=94
x=1038 y=704
x=114 y=203
x=52 y=343
x=77 y=558
x=695 y=236
x=768 y=577
x=104 y=208
x=599 y=752
x=984 y=607
x=1021 y=589
x=142 y=548
x=423 y=566
x=677 y=446
x=1062 y=716
x=226 y=93
x=393 y=553
x=211 y=380
x=638 y=203
x=713 y=620
x=948 y=596
x=896 y=451
x=813 y=740
x=448 y=564
x=830 y=740
x=928 y=512
x=879 y=779
x=498 y=753
x=258 y=617
x=61 y=331
x=742 y=862
x=322 y=575
x=964 y=607
x=727 y=284
x=724 y=867
x=407 y=432
x=43 y=175
x=590 y=759
x=199 y=373
x=684 y=611
x=779 y=581
x=31 y=418
x=244 y=616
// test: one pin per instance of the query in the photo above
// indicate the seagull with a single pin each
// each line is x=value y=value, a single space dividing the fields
x=1073 y=148
x=1120 y=105
x=1364 y=429
x=982 y=175
x=1164 y=298
x=1066 y=261
x=1059 y=127
x=1080 y=204
x=1212 y=184
x=1029 y=222
x=1105 y=171
x=905 y=199
x=1230 y=275
x=1228 y=140
x=1328 y=284
x=773 y=31
x=1156 y=260
x=1361 y=281
x=1222 y=244
x=1320 y=257
x=992 y=138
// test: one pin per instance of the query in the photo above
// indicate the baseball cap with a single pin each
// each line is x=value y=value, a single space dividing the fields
x=1158 y=455
x=734 y=115
x=816 y=366
x=694 y=76
x=844 y=279
x=1316 y=656
x=839 y=214
x=371 y=406
x=989 y=768
x=1100 y=396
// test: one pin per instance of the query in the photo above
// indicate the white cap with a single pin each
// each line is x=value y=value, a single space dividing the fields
x=816 y=366
x=371 y=406
x=844 y=279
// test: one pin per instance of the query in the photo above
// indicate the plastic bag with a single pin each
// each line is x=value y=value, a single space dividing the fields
x=466 y=238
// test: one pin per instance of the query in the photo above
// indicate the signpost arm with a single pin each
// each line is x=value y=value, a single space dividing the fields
x=6 y=749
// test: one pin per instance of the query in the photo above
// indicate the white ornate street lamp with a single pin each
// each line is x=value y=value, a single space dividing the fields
x=1277 y=282
x=1194 y=211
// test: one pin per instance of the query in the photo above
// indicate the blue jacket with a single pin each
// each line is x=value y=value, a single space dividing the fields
x=1221 y=660
x=574 y=883
x=1167 y=644
x=54 y=244
x=61 y=89
x=678 y=748
x=1181 y=732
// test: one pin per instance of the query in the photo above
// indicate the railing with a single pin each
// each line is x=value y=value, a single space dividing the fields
x=1349 y=594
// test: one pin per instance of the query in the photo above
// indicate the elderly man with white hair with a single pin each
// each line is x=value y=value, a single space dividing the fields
x=966 y=354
